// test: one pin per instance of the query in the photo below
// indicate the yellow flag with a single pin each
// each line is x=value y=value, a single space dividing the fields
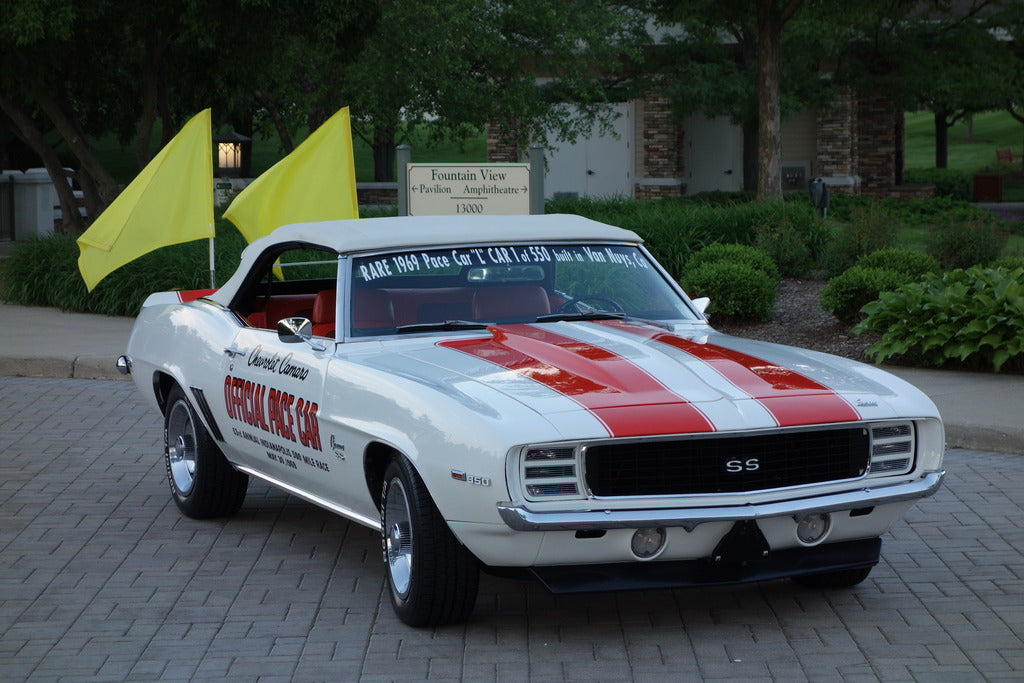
x=316 y=182
x=170 y=201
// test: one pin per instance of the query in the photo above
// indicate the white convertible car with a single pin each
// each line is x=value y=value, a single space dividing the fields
x=525 y=395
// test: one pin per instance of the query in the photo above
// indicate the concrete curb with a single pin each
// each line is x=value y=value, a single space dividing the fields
x=984 y=438
x=80 y=367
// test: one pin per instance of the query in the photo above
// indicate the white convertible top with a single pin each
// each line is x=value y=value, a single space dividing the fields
x=416 y=232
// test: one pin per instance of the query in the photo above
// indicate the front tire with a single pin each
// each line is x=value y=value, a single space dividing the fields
x=203 y=483
x=431 y=577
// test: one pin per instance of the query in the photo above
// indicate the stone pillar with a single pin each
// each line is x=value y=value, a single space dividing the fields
x=838 y=143
x=501 y=146
x=877 y=144
x=660 y=157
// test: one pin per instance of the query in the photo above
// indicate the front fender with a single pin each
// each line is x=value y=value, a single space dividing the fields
x=457 y=436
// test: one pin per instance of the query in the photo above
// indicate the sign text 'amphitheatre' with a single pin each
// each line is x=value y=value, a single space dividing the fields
x=459 y=189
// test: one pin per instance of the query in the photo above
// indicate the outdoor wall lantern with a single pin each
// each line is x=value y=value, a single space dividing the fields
x=228 y=150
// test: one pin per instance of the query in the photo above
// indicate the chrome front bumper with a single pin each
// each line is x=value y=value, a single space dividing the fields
x=522 y=519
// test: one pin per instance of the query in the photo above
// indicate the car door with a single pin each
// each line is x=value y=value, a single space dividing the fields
x=273 y=390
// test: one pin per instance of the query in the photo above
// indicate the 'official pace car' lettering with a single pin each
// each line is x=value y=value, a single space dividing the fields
x=272 y=410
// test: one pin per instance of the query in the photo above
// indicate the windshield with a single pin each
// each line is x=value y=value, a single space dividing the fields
x=470 y=287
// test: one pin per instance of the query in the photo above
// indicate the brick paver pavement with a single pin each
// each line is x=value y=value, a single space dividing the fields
x=102 y=579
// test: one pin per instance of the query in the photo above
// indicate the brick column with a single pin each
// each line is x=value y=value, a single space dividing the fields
x=501 y=146
x=838 y=141
x=660 y=160
x=876 y=119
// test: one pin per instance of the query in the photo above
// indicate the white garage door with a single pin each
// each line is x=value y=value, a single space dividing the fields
x=598 y=166
x=714 y=154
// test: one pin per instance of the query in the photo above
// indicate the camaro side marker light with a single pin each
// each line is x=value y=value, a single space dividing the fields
x=812 y=529
x=648 y=542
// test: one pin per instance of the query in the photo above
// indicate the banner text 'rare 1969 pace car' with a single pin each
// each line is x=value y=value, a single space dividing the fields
x=528 y=394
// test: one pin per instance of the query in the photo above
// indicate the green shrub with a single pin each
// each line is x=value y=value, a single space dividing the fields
x=1009 y=262
x=737 y=291
x=948 y=182
x=908 y=212
x=673 y=228
x=973 y=318
x=906 y=261
x=787 y=248
x=44 y=272
x=968 y=243
x=846 y=294
x=871 y=228
x=734 y=253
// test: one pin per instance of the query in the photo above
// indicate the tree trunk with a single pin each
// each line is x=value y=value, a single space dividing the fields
x=151 y=86
x=59 y=114
x=27 y=131
x=383 y=154
x=750 y=156
x=277 y=117
x=769 y=113
x=941 y=140
x=144 y=132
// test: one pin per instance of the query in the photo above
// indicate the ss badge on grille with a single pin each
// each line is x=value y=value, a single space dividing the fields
x=748 y=465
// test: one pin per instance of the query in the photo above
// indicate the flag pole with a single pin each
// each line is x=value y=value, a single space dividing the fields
x=213 y=268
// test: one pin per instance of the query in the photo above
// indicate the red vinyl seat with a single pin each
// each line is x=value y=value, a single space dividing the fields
x=372 y=308
x=513 y=301
x=324 y=306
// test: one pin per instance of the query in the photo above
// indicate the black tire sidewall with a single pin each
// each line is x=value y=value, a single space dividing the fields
x=433 y=597
x=218 y=490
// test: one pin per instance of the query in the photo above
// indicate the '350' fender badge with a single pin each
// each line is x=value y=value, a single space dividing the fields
x=459 y=475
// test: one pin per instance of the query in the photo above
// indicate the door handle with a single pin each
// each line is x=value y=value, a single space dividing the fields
x=233 y=351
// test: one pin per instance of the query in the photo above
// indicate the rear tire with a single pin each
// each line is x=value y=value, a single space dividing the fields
x=842 y=578
x=203 y=483
x=431 y=577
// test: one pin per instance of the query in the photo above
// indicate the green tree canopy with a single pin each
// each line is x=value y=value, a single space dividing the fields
x=72 y=71
x=460 y=64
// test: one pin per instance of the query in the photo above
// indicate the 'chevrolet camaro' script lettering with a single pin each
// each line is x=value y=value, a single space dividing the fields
x=280 y=365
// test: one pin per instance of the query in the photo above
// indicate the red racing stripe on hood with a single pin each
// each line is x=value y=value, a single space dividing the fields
x=792 y=399
x=624 y=397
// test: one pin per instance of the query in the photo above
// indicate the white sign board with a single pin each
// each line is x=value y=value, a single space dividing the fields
x=460 y=189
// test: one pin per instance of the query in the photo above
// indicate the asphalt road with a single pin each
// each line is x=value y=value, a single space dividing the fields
x=102 y=579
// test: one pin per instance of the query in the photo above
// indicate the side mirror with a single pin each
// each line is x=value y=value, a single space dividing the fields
x=295 y=330
x=702 y=304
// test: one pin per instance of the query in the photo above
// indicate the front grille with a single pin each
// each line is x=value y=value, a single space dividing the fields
x=727 y=464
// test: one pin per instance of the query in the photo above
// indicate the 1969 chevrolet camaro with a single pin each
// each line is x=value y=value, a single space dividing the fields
x=525 y=394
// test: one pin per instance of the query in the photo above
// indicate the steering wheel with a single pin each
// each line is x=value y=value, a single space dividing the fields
x=580 y=302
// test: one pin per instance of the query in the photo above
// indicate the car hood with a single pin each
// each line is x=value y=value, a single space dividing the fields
x=636 y=379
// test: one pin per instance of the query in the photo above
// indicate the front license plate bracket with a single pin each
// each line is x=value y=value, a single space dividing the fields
x=744 y=543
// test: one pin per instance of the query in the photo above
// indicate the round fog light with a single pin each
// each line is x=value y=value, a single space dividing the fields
x=648 y=542
x=812 y=529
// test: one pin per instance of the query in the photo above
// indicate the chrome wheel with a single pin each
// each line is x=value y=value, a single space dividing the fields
x=398 y=538
x=181 y=447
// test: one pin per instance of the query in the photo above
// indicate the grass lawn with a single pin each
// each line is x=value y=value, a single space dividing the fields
x=992 y=130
